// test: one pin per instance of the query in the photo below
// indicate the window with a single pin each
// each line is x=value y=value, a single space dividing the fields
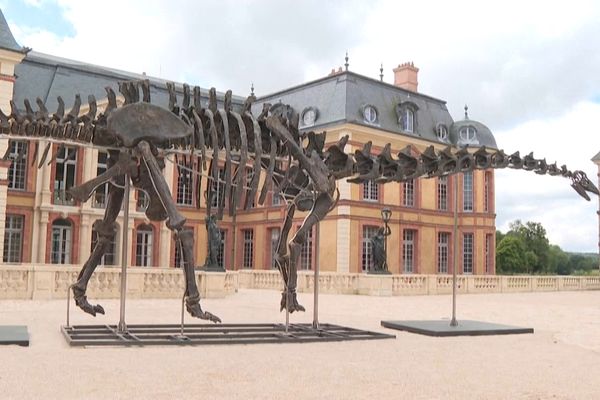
x=60 y=250
x=442 y=261
x=142 y=201
x=249 y=177
x=185 y=186
x=489 y=261
x=468 y=191
x=109 y=257
x=406 y=113
x=408 y=191
x=248 y=255
x=467 y=134
x=367 y=249
x=101 y=194
x=442 y=132
x=17 y=172
x=221 y=254
x=487 y=191
x=274 y=235
x=178 y=259
x=276 y=199
x=370 y=191
x=408 y=250
x=408 y=120
x=66 y=163
x=306 y=252
x=218 y=189
x=144 y=246
x=468 y=253
x=13 y=238
x=442 y=193
x=370 y=114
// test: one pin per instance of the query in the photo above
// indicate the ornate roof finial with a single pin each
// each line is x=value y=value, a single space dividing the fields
x=466 y=112
x=252 y=89
x=381 y=73
x=346 y=65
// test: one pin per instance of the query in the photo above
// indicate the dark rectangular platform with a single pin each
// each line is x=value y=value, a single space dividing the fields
x=14 y=334
x=204 y=334
x=464 y=328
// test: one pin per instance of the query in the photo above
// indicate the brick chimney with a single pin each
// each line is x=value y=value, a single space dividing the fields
x=405 y=76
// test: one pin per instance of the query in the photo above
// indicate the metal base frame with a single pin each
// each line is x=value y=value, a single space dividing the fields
x=204 y=334
x=14 y=334
x=443 y=328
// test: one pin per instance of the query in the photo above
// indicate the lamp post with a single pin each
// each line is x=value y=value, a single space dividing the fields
x=386 y=214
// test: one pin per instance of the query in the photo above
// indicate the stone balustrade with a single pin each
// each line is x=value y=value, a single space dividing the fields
x=50 y=281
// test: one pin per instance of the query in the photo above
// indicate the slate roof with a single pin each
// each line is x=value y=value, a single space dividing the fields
x=7 y=40
x=596 y=158
x=47 y=77
x=341 y=98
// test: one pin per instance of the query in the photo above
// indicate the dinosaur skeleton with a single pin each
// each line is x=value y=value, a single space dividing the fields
x=139 y=137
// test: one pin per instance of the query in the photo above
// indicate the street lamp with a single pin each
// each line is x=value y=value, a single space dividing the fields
x=386 y=214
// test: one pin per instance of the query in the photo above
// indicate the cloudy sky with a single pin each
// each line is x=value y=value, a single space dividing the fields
x=528 y=70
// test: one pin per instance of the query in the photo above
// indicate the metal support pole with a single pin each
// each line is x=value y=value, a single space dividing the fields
x=453 y=322
x=385 y=263
x=122 y=327
x=316 y=285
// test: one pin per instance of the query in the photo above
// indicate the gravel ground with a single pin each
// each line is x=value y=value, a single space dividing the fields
x=560 y=360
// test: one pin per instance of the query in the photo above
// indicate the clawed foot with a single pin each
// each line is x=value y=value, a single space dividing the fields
x=293 y=305
x=81 y=302
x=193 y=307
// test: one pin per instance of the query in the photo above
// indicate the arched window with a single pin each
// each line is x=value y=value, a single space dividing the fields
x=442 y=132
x=467 y=134
x=61 y=242
x=370 y=114
x=408 y=120
x=110 y=256
x=143 y=245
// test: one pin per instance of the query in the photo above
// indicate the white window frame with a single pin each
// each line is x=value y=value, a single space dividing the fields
x=144 y=245
x=409 y=239
x=13 y=238
x=17 y=172
x=468 y=252
x=370 y=191
x=61 y=242
x=468 y=197
x=367 y=261
x=443 y=244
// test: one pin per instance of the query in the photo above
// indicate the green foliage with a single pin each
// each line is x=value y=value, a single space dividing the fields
x=510 y=255
x=526 y=249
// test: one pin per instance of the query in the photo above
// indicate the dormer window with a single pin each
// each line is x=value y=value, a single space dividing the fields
x=407 y=116
x=408 y=121
x=370 y=114
x=467 y=134
x=309 y=116
x=442 y=132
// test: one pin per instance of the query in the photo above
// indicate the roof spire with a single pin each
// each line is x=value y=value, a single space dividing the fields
x=346 y=64
x=252 y=89
x=7 y=40
x=381 y=73
x=466 y=112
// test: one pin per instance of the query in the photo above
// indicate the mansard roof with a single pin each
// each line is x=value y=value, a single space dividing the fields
x=342 y=98
x=47 y=77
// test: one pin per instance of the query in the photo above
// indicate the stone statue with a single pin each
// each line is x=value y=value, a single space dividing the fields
x=214 y=242
x=379 y=250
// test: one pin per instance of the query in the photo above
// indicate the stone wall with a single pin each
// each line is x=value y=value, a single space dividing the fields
x=49 y=281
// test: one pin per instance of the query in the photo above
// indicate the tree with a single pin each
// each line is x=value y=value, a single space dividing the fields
x=536 y=244
x=511 y=255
